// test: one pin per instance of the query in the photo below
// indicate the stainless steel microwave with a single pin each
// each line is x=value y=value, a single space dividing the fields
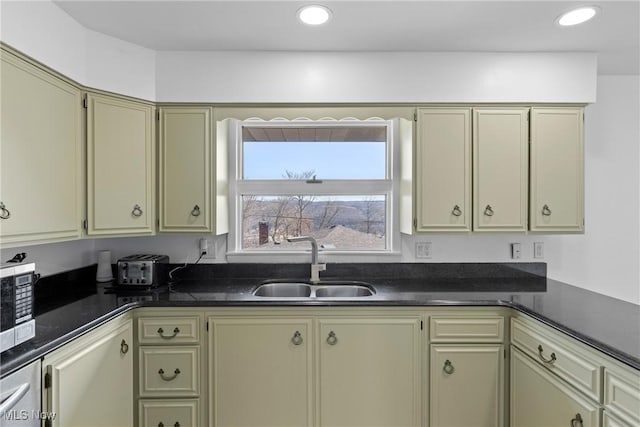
x=16 y=298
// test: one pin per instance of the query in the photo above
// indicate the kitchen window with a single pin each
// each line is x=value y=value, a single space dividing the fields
x=334 y=180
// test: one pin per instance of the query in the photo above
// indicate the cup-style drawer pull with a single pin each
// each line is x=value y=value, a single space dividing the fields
x=332 y=339
x=546 y=211
x=488 y=211
x=4 y=212
x=137 y=211
x=172 y=377
x=195 y=211
x=456 y=211
x=544 y=359
x=448 y=367
x=577 y=421
x=124 y=347
x=176 y=331
x=297 y=338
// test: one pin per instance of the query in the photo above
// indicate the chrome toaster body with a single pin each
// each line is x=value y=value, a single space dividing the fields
x=141 y=270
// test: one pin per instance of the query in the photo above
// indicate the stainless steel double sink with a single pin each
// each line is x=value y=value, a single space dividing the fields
x=323 y=289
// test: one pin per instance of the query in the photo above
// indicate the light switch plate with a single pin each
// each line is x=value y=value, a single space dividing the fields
x=538 y=249
x=423 y=250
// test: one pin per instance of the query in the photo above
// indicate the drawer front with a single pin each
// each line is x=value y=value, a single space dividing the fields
x=609 y=420
x=622 y=394
x=168 y=413
x=169 y=330
x=559 y=355
x=169 y=371
x=467 y=329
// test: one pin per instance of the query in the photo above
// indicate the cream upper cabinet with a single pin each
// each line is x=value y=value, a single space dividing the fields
x=41 y=155
x=443 y=169
x=369 y=372
x=120 y=166
x=538 y=398
x=557 y=170
x=500 y=163
x=261 y=371
x=185 y=169
x=88 y=382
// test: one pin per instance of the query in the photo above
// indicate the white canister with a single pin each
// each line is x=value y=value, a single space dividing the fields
x=104 y=273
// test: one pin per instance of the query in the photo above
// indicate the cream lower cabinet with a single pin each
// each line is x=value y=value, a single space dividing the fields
x=466 y=369
x=185 y=159
x=540 y=399
x=170 y=368
x=40 y=155
x=261 y=372
x=369 y=372
x=315 y=371
x=120 y=166
x=88 y=382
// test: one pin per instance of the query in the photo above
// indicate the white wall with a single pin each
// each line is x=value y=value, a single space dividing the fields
x=375 y=77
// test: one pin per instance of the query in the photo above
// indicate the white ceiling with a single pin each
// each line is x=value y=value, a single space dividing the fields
x=363 y=25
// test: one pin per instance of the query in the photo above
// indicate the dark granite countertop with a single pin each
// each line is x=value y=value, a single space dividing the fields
x=71 y=304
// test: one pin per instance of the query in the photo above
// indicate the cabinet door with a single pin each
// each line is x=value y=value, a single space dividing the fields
x=40 y=155
x=557 y=170
x=260 y=372
x=469 y=377
x=185 y=169
x=369 y=372
x=91 y=379
x=120 y=171
x=443 y=169
x=500 y=162
x=538 y=398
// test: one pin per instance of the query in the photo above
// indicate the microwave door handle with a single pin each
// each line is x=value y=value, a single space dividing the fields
x=11 y=401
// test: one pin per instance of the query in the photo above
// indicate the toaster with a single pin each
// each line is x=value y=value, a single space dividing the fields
x=142 y=270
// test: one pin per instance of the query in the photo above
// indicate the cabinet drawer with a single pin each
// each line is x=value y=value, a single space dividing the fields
x=622 y=394
x=609 y=420
x=169 y=371
x=565 y=358
x=168 y=413
x=466 y=329
x=169 y=330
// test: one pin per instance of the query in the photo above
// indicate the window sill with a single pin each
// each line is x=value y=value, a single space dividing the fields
x=282 y=257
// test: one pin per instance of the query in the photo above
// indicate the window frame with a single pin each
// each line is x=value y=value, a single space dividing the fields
x=388 y=187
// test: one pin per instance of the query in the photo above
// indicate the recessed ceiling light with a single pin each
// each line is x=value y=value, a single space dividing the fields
x=314 y=15
x=577 y=16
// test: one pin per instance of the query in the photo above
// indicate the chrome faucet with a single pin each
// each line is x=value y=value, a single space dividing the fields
x=316 y=267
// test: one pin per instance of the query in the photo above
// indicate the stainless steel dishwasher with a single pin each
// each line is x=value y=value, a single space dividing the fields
x=20 y=397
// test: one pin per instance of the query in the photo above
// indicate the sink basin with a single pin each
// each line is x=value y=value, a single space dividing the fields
x=343 y=291
x=301 y=290
x=283 y=290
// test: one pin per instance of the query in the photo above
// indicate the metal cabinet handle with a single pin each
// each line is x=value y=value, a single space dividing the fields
x=448 y=367
x=577 y=421
x=456 y=211
x=332 y=339
x=4 y=212
x=137 y=211
x=488 y=211
x=161 y=424
x=15 y=397
x=195 y=211
x=172 y=377
x=176 y=331
x=124 y=347
x=546 y=211
x=544 y=359
x=297 y=338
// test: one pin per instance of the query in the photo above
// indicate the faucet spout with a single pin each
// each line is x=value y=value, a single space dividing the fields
x=316 y=268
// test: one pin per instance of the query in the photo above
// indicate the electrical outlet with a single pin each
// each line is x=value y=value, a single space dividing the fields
x=516 y=251
x=423 y=249
x=538 y=249
x=206 y=246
